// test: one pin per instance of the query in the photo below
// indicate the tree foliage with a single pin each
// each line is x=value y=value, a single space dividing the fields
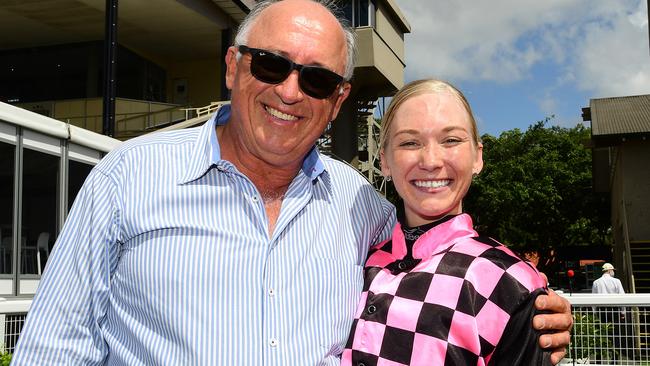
x=535 y=190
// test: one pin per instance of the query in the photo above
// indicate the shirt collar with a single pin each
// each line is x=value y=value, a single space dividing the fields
x=436 y=239
x=207 y=152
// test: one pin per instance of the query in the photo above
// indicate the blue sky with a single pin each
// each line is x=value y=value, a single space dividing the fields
x=520 y=61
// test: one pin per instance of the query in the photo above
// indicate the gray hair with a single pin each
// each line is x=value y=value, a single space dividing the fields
x=350 y=36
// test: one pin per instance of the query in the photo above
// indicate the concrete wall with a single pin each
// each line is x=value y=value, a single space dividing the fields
x=630 y=201
x=635 y=177
x=202 y=77
x=389 y=32
x=374 y=52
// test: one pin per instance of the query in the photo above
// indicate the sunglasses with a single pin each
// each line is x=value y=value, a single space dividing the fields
x=272 y=68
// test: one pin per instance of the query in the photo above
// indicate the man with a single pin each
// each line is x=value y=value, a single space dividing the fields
x=616 y=316
x=235 y=243
x=607 y=284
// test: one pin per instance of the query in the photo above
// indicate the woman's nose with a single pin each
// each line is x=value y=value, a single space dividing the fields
x=430 y=157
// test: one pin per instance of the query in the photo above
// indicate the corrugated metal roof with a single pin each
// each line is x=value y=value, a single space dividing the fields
x=620 y=115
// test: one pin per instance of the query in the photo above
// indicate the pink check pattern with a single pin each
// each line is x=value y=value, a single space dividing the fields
x=448 y=304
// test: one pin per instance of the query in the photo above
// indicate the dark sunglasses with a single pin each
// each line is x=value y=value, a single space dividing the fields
x=272 y=68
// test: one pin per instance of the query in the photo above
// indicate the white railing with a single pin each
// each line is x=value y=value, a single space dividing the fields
x=202 y=111
x=12 y=318
x=609 y=329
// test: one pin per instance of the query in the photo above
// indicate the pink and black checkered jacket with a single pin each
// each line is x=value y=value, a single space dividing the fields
x=454 y=298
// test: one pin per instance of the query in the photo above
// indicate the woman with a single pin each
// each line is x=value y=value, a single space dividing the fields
x=437 y=293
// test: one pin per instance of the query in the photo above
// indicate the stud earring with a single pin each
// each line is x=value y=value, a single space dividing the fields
x=388 y=178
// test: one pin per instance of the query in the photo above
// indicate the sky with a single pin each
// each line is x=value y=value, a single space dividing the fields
x=521 y=61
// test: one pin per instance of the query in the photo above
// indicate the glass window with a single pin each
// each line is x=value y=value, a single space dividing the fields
x=7 y=174
x=361 y=18
x=39 y=209
x=365 y=13
x=360 y=13
x=77 y=173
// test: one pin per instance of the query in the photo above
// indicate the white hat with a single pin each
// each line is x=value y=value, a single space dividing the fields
x=607 y=267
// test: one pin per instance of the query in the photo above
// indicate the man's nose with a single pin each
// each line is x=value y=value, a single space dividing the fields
x=289 y=90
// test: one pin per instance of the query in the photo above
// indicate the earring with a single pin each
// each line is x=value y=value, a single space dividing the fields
x=388 y=178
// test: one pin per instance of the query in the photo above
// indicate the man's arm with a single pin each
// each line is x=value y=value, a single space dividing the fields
x=63 y=323
x=557 y=322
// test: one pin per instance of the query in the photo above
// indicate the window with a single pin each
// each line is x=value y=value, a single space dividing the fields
x=7 y=176
x=77 y=173
x=37 y=189
x=39 y=209
x=360 y=13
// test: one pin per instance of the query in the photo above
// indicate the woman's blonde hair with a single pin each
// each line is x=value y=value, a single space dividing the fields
x=416 y=88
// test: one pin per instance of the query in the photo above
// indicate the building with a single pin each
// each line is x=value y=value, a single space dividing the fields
x=620 y=140
x=43 y=163
x=169 y=68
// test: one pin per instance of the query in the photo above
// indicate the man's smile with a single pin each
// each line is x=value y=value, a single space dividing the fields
x=277 y=114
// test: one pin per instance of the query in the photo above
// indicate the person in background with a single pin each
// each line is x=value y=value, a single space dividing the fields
x=607 y=283
x=616 y=316
x=438 y=293
x=234 y=243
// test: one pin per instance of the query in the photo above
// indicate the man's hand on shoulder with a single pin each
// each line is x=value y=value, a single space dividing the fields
x=556 y=324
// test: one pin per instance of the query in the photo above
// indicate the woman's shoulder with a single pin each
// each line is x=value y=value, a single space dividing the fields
x=493 y=264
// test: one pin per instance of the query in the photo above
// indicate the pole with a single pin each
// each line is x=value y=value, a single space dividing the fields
x=570 y=273
x=110 y=50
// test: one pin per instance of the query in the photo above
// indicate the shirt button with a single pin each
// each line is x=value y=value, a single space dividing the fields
x=401 y=265
x=271 y=292
x=361 y=364
x=254 y=199
x=273 y=342
x=372 y=309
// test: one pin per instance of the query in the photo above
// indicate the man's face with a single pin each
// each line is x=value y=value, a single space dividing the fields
x=279 y=123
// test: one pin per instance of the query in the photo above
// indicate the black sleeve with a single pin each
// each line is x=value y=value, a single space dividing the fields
x=519 y=342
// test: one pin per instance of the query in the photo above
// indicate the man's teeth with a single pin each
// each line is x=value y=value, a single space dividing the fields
x=432 y=183
x=277 y=114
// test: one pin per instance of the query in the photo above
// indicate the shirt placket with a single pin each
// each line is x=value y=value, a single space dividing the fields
x=277 y=310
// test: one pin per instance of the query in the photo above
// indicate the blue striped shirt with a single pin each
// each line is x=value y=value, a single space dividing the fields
x=166 y=259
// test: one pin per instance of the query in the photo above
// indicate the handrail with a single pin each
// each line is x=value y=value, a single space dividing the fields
x=56 y=128
x=208 y=109
x=146 y=114
x=14 y=306
x=580 y=299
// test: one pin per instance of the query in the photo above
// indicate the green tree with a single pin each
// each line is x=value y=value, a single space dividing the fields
x=535 y=190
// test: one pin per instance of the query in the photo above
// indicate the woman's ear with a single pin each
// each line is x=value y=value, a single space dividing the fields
x=385 y=170
x=478 y=160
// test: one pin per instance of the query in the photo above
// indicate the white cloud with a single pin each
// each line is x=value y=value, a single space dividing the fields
x=548 y=104
x=613 y=57
x=601 y=46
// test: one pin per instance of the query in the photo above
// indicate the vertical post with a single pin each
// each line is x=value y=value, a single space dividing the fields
x=110 y=50
x=372 y=147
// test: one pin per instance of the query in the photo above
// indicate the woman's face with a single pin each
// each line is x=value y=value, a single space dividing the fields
x=431 y=156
